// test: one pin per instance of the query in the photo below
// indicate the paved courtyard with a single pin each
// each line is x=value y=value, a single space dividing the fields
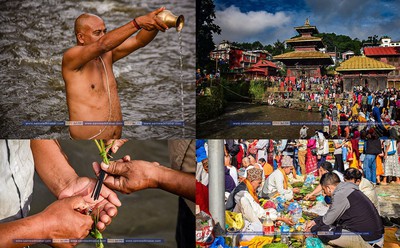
x=389 y=199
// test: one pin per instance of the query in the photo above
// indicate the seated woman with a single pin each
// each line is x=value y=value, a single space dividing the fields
x=277 y=182
x=243 y=199
x=355 y=176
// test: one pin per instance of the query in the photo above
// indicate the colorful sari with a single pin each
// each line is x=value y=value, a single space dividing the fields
x=311 y=163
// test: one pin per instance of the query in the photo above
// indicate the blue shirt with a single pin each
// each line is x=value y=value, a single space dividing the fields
x=369 y=99
x=376 y=114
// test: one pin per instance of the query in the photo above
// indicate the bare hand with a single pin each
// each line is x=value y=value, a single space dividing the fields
x=151 y=22
x=129 y=176
x=287 y=220
x=116 y=144
x=63 y=219
x=105 y=206
x=309 y=225
x=308 y=196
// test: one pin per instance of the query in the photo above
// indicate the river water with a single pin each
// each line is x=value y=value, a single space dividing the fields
x=147 y=214
x=33 y=37
x=222 y=128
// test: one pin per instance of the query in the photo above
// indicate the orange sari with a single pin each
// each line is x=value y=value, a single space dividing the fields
x=379 y=166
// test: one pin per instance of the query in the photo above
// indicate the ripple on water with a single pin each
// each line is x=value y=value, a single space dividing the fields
x=36 y=33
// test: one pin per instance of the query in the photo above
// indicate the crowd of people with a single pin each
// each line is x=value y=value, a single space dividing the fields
x=360 y=106
x=349 y=170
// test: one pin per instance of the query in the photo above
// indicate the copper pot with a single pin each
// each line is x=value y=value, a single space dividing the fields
x=172 y=20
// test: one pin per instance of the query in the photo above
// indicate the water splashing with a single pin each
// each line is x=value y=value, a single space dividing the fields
x=181 y=80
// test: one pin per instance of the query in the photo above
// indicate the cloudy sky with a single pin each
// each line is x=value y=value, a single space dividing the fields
x=267 y=20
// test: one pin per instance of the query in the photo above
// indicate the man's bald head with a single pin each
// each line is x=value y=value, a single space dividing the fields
x=81 y=21
x=245 y=162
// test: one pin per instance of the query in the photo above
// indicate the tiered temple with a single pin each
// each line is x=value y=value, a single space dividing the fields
x=306 y=59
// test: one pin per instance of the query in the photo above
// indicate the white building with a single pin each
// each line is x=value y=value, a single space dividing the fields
x=387 y=42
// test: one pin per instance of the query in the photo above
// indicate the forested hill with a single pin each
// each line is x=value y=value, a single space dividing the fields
x=343 y=43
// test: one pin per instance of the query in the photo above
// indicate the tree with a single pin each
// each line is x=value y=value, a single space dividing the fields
x=257 y=45
x=340 y=43
x=279 y=48
x=205 y=27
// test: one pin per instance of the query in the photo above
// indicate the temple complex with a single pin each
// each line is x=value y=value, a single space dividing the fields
x=306 y=59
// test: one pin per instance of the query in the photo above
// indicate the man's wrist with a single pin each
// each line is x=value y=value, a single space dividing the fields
x=159 y=173
x=66 y=190
x=43 y=223
x=137 y=26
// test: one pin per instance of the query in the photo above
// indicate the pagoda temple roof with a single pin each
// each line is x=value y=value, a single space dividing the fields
x=264 y=63
x=255 y=70
x=359 y=63
x=307 y=27
x=303 y=55
x=304 y=38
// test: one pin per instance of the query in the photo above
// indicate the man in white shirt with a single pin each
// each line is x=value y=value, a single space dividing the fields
x=278 y=181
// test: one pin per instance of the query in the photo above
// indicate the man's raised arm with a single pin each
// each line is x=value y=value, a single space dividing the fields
x=140 y=40
x=78 y=56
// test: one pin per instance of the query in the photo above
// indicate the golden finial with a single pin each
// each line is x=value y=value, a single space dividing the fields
x=307 y=23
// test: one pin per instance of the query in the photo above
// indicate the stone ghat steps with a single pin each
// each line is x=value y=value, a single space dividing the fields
x=298 y=104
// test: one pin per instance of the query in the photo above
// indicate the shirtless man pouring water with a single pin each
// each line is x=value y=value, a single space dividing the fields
x=87 y=71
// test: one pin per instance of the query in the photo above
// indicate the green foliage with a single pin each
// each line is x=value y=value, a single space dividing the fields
x=343 y=43
x=257 y=89
x=256 y=45
x=94 y=232
x=210 y=105
x=205 y=27
x=235 y=91
x=277 y=48
x=276 y=245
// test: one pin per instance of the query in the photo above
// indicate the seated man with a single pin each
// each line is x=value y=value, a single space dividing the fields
x=278 y=181
x=268 y=169
x=351 y=221
x=325 y=168
x=243 y=199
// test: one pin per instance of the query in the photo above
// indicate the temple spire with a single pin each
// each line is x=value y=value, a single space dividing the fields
x=307 y=23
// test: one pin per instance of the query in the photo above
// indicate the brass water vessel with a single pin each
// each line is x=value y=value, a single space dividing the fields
x=172 y=20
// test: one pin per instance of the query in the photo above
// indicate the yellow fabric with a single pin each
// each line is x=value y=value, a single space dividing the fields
x=268 y=169
x=258 y=241
x=354 y=162
x=251 y=190
x=234 y=220
x=354 y=110
x=285 y=178
x=361 y=119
